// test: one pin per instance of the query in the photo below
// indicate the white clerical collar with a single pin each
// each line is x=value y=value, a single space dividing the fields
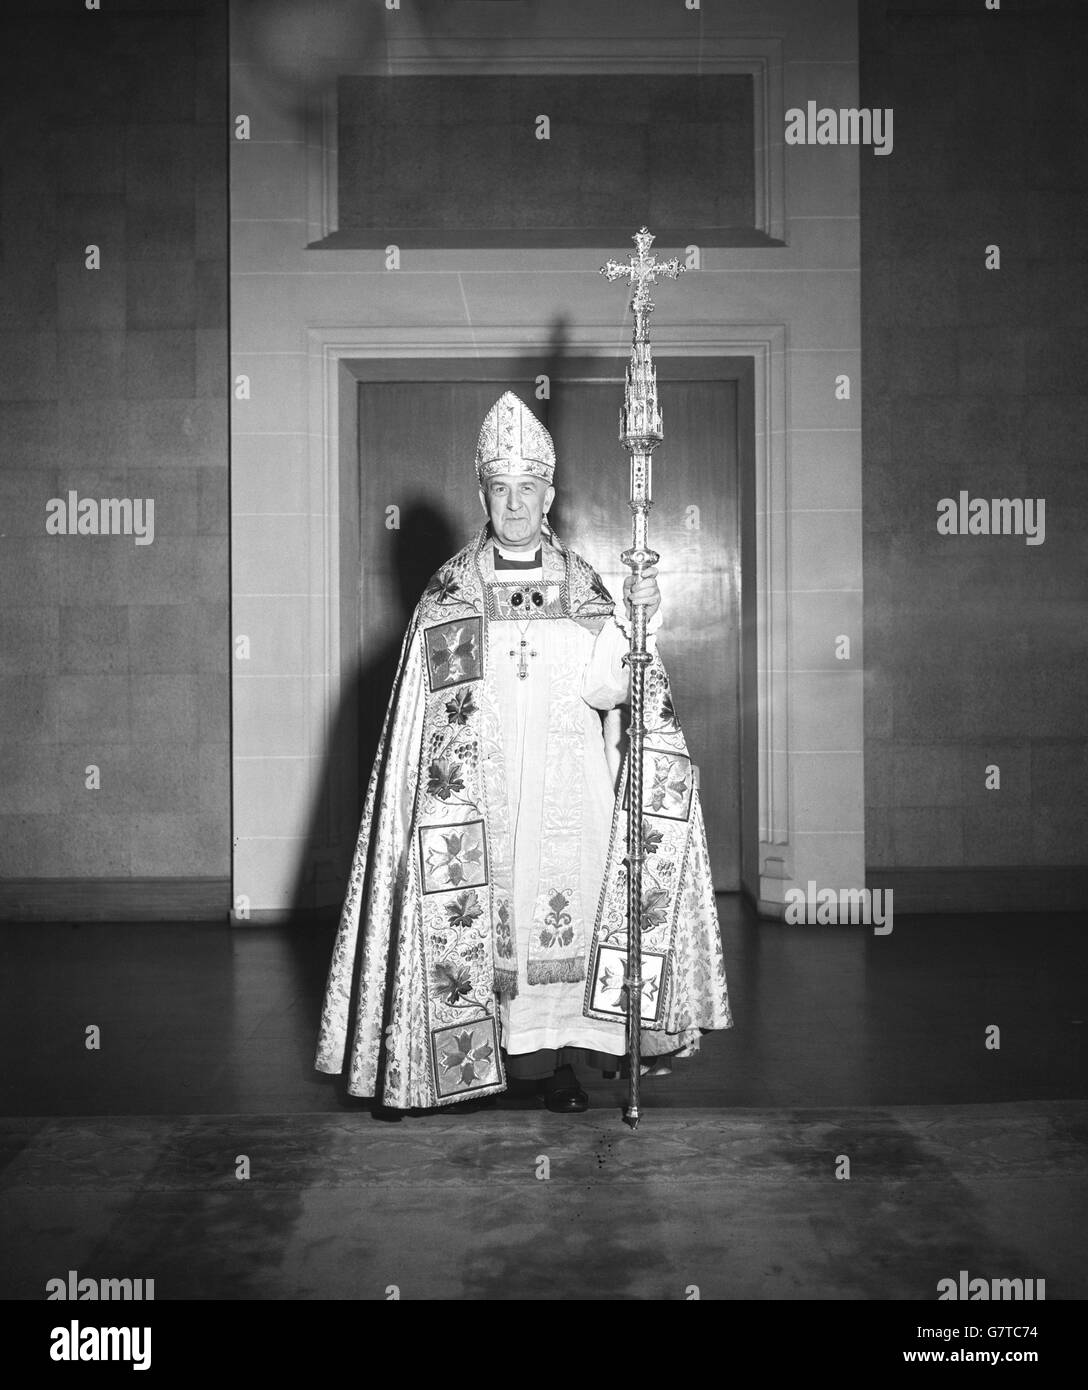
x=519 y=558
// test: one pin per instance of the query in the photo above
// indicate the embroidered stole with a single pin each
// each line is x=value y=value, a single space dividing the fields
x=554 y=717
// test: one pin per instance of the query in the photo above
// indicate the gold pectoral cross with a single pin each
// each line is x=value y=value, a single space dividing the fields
x=522 y=653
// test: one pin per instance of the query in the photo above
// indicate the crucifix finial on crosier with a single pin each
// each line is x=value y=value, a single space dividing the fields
x=640 y=419
x=642 y=271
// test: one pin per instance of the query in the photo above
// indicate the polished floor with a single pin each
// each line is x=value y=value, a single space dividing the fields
x=852 y=1138
x=205 y=1019
x=744 y=1204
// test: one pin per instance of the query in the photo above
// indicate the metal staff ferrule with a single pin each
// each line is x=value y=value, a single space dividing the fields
x=640 y=432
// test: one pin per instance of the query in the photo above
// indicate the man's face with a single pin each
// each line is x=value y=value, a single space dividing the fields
x=516 y=506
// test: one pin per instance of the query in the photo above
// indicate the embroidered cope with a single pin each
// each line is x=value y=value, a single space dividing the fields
x=488 y=877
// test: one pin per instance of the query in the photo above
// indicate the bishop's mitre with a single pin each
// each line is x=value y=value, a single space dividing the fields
x=513 y=441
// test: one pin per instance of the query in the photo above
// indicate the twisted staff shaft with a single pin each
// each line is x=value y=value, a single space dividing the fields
x=637 y=558
x=640 y=432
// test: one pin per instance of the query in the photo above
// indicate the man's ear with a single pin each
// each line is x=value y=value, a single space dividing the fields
x=483 y=502
x=549 y=496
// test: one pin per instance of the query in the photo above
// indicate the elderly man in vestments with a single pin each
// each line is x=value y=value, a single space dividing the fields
x=483 y=934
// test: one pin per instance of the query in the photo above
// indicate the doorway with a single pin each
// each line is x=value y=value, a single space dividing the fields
x=415 y=427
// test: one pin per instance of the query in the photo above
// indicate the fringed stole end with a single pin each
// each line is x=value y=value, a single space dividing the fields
x=555 y=972
x=506 y=983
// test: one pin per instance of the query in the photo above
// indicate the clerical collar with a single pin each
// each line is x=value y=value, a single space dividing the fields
x=503 y=562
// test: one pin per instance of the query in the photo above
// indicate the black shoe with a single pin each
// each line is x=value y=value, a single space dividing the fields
x=567 y=1100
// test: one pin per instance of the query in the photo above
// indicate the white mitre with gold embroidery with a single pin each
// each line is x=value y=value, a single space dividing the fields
x=513 y=441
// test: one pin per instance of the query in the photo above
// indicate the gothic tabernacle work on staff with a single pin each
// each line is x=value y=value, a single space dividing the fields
x=488 y=891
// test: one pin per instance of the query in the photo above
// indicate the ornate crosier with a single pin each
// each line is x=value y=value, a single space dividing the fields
x=640 y=433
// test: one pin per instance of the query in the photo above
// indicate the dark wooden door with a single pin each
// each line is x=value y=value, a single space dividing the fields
x=417 y=440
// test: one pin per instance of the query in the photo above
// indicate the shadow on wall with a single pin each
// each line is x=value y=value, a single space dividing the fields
x=426 y=539
x=550 y=410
